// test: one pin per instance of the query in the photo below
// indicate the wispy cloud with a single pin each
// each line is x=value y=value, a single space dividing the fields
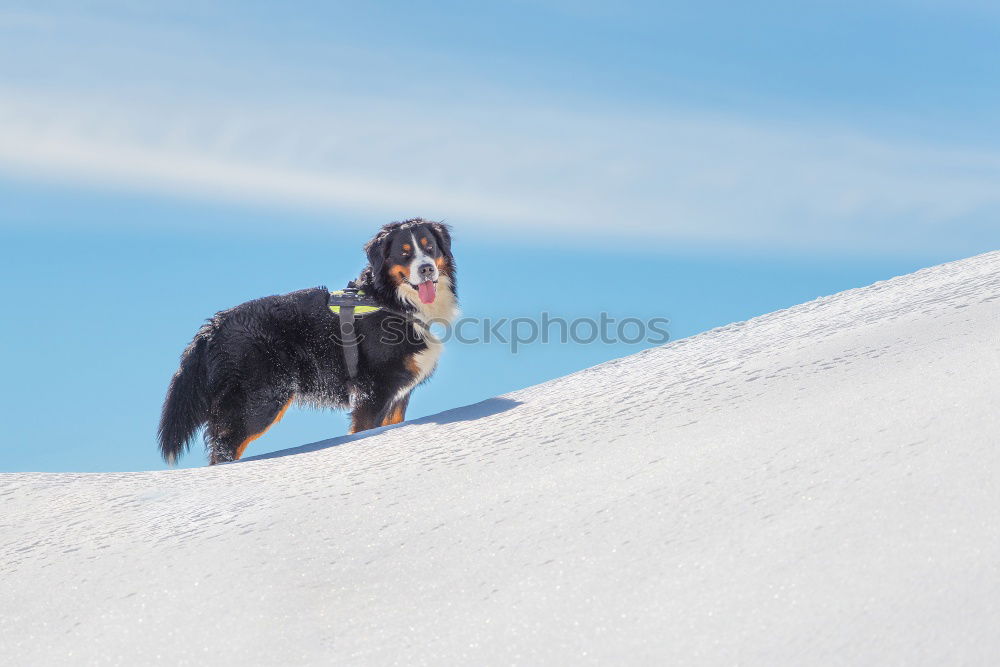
x=221 y=103
x=219 y=157
x=665 y=176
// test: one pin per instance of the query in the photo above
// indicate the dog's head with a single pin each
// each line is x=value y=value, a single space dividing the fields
x=413 y=261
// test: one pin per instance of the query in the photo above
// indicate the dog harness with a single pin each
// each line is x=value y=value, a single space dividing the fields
x=346 y=304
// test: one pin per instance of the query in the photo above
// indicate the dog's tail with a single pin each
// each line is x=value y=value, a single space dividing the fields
x=185 y=409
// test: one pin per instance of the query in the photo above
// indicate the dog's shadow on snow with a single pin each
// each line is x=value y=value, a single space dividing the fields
x=487 y=408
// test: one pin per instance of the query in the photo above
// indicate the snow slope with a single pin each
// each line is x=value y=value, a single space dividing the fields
x=815 y=486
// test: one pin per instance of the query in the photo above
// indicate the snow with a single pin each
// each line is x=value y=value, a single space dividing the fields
x=816 y=485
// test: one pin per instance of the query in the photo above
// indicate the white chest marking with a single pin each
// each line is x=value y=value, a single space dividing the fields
x=425 y=362
x=443 y=310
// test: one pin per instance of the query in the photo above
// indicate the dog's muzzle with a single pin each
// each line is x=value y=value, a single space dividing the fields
x=427 y=275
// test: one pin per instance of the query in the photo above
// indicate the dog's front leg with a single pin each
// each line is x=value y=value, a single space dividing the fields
x=395 y=412
x=363 y=416
x=370 y=410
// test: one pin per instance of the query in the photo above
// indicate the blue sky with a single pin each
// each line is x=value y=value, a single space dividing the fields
x=160 y=162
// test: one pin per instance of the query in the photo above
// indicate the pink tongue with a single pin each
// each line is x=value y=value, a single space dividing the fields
x=427 y=291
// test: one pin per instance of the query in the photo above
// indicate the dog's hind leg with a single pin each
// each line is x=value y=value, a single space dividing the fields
x=237 y=425
x=262 y=415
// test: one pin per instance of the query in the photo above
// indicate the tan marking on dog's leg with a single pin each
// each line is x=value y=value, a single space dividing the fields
x=243 y=445
x=397 y=415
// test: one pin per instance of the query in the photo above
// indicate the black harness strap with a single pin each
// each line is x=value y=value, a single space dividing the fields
x=344 y=303
x=348 y=340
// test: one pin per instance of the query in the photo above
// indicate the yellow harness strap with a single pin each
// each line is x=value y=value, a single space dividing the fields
x=359 y=310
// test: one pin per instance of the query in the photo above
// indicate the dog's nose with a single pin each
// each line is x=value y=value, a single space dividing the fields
x=426 y=271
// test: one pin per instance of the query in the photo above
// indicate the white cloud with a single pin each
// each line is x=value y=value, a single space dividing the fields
x=665 y=177
x=432 y=138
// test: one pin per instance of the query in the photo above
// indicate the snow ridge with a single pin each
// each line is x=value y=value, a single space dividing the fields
x=817 y=484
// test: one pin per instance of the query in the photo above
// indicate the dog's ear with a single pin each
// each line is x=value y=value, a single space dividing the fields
x=377 y=250
x=443 y=233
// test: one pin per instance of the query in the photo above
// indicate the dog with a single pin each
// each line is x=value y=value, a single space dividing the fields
x=248 y=364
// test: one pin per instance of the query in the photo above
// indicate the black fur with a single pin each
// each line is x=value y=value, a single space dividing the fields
x=246 y=364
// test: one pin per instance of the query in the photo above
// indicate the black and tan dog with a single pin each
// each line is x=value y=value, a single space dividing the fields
x=248 y=364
